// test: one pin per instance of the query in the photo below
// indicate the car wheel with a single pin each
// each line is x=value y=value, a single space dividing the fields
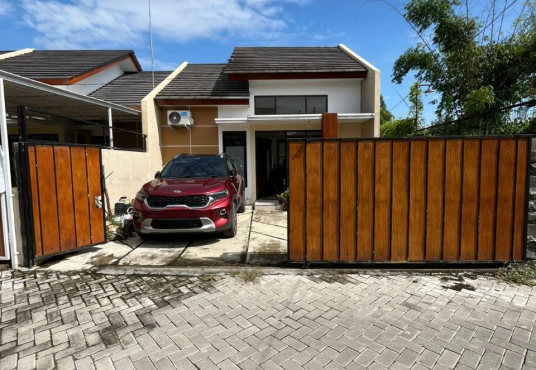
x=232 y=231
x=242 y=207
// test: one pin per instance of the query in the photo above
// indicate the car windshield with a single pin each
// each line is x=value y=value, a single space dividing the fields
x=186 y=167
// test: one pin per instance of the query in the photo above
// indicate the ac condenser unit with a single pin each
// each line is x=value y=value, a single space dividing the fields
x=178 y=118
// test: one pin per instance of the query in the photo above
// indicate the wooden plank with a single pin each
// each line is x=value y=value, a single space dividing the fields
x=95 y=190
x=80 y=195
x=48 y=204
x=296 y=153
x=64 y=185
x=417 y=200
x=314 y=201
x=330 y=188
x=488 y=195
x=348 y=201
x=382 y=201
x=453 y=196
x=520 y=199
x=32 y=168
x=399 y=229
x=434 y=221
x=505 y=199
x=471 y=184
x=365 y=200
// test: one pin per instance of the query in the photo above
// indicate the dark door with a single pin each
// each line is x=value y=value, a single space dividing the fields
x=263 y=166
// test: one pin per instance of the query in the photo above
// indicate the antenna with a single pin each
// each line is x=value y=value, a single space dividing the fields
x=151 y=42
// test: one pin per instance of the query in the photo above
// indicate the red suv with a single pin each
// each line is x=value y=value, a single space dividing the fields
x=192 y=194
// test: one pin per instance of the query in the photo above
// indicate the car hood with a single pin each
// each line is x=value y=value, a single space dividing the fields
x=178 y=187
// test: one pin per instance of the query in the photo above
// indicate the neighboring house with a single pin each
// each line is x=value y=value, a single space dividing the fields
x=80 y=71
x=249 y=106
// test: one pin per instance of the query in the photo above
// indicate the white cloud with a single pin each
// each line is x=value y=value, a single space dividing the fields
x=328 y=35
x=120 y=23
x=159 y=65
x=5 y=7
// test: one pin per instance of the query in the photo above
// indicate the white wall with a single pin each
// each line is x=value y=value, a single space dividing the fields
x=344 y=95
x=98 y=80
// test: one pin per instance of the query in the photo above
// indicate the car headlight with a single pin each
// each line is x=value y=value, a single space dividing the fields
x=219 y=195
x=141 y=196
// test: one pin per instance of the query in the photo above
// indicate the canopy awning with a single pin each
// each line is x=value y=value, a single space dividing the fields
x=295 y=118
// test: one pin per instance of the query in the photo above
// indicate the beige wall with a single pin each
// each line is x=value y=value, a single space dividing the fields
x=204 y=133
x=370 y=90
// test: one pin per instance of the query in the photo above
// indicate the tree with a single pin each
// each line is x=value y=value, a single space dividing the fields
x=406 y=127
x=473 y=62
x=385 y=115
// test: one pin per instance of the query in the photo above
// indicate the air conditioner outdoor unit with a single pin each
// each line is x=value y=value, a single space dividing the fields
x=180 y=118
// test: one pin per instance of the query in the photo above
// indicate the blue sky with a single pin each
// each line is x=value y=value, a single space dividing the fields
x=200 y=31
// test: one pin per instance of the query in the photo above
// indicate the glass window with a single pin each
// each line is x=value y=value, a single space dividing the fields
x=264 y=105
x=193 y=166
x=234 y=145
x=290 y=105
x=317 y=104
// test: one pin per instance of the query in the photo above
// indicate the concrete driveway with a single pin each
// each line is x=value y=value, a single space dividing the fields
x=261 y=240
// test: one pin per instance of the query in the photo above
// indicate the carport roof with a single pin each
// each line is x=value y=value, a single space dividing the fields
x=21 y=91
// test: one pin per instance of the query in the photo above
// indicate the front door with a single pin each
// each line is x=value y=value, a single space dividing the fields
x=263 y=156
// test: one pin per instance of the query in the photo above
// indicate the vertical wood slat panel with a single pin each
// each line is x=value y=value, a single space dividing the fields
x=453 y=196
x=314 y=201
x=95 y=190
x=348 y=223
x=296 y=153
x=399 y=237
x=330 y=206
x=505 y=199
x=48 y=200
x=434 y=221
x=382 y=201
x=65 y=197
x=35 y=201
x=417 y=200
x=520 y=199
x=80 y=192
x=469 y=229
x=365 y=199
x=488 y=191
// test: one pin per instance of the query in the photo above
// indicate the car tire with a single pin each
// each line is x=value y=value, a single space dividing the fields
x=233 y=230
x=242 y=207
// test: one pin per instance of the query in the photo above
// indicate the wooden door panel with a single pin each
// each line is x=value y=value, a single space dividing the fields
x=314 y=201
x=95 y=190
x=48 y=201
x=296 y=153
x=348 y=201
x=64 y=184
x=365 y=200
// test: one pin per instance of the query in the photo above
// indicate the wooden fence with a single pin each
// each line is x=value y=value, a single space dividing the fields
x=426 y=199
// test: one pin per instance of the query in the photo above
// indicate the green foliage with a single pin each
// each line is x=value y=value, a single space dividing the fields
x=519 y=273
x=406 y=127
x=385 y=115
x=472 y=61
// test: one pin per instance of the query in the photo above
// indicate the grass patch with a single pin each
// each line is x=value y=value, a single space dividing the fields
x=208 y=278
x=523 y=273
x=247 y=276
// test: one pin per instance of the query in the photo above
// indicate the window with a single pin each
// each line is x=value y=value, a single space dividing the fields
x=234 y=145
x=291 y=104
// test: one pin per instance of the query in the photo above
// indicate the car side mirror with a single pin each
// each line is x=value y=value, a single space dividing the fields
x=157 y=174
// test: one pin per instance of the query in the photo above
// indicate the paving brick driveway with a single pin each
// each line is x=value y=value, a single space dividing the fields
x=84 y=321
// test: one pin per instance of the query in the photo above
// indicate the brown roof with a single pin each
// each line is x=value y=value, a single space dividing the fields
x=299 y=60
x=63 y=64
x=130 y=88
x=204 y=81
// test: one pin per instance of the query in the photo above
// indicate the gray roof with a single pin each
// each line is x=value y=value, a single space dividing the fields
x=62 y=64
x=130 y=88
x=251 y=60
x=204 y=81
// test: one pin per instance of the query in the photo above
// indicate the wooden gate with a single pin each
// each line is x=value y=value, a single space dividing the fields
x=435 y=199
x=66 y=197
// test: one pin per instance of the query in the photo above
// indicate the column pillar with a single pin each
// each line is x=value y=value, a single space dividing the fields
x=330 y=125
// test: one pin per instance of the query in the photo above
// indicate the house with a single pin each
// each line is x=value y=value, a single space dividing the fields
x=262 y=96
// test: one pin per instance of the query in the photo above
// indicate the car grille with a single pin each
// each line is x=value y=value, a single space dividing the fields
x=174 y=223
x=189 y=200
